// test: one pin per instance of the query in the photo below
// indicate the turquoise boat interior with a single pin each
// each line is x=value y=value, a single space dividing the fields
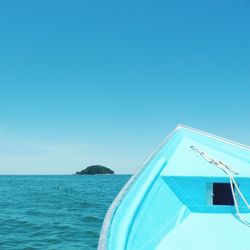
x=181 y=199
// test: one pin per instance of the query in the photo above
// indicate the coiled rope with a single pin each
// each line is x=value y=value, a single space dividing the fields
x=230 y=172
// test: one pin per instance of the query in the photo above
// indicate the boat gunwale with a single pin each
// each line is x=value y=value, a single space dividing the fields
x=115 y=204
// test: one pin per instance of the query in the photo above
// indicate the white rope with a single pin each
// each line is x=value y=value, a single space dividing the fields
x=230 y=172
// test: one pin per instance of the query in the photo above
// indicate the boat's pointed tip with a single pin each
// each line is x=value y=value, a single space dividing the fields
x=182 y=126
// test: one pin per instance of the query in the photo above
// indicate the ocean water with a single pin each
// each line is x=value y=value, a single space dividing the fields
x=55 y=212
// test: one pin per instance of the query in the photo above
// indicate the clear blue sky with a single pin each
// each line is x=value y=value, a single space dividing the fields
x=103 y=82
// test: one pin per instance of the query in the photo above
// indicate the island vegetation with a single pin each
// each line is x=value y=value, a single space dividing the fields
x=95 y=169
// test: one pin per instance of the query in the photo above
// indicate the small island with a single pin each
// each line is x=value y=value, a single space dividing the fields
x=95 y=169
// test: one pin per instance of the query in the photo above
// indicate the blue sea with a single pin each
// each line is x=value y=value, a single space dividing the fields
x=55 y=212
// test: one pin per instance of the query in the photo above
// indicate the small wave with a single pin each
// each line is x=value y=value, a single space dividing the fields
x=91 y=234
x=91 y=218
x=86 y=204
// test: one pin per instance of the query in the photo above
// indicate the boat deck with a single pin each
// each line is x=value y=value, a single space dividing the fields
x=208 y=232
